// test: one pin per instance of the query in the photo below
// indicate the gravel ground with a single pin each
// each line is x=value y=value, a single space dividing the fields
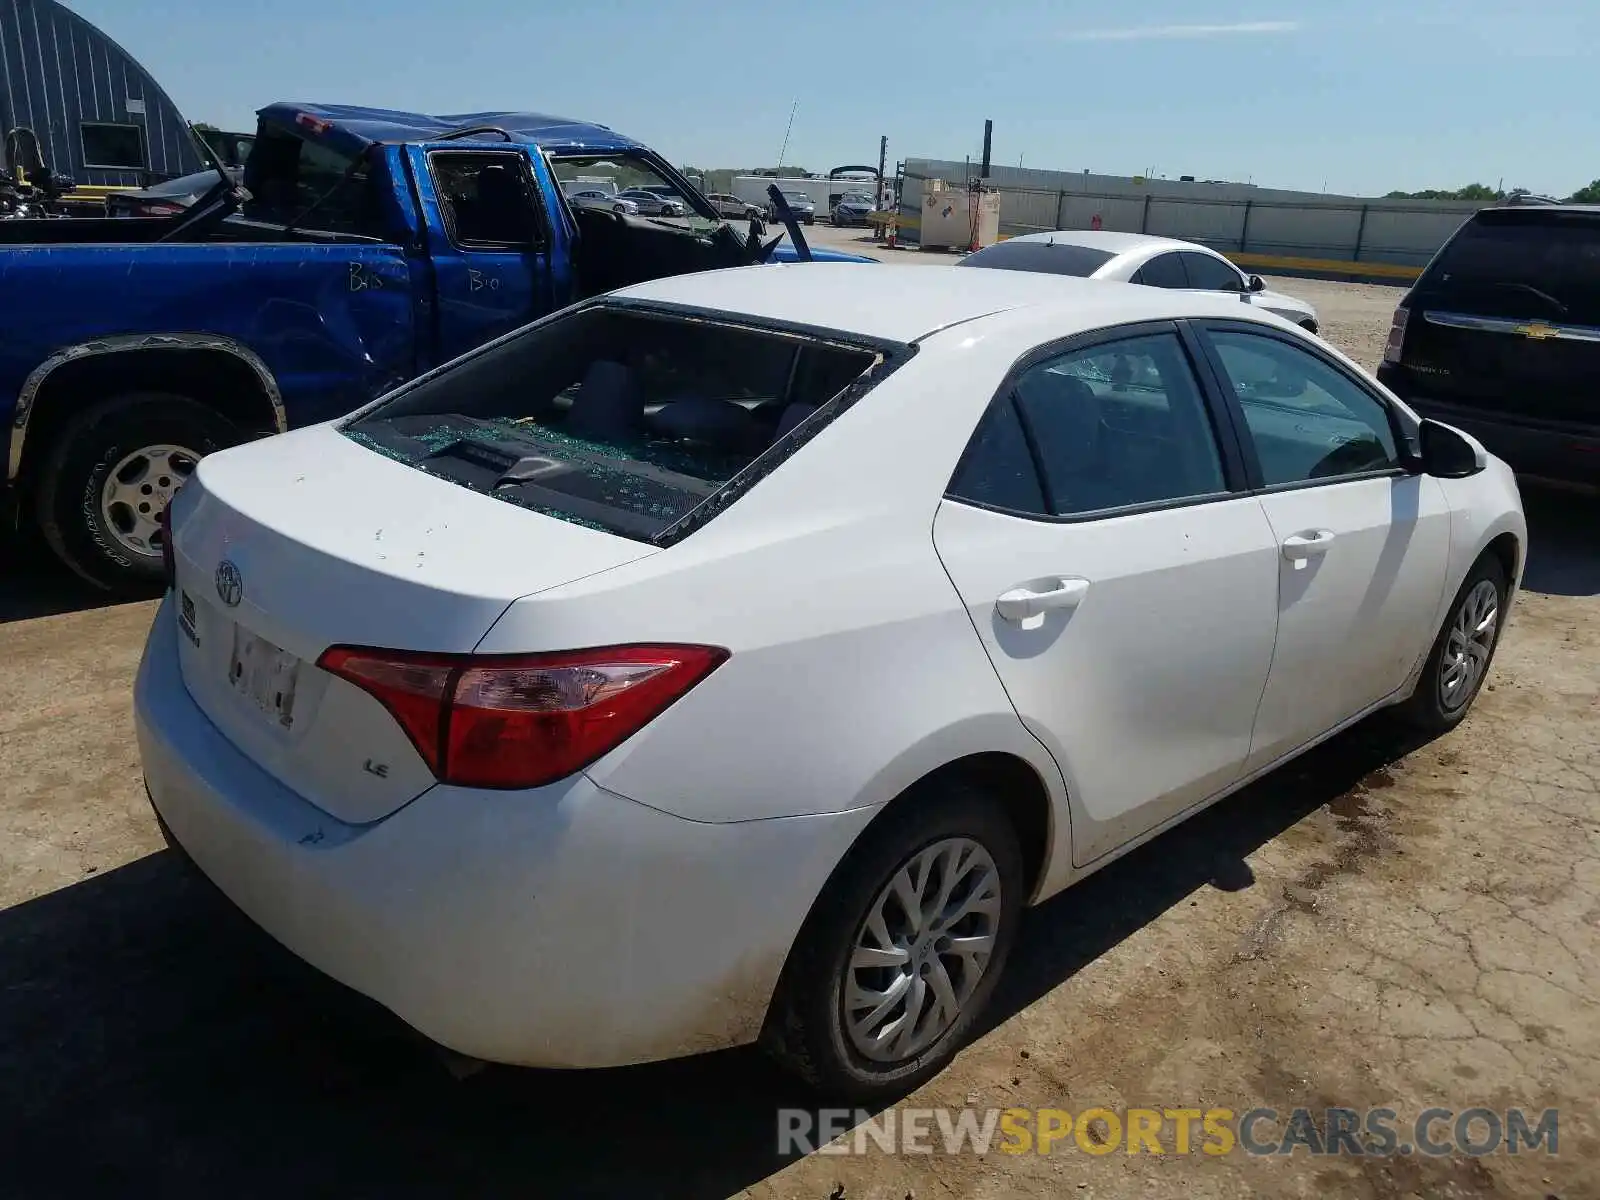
x=1379 y=923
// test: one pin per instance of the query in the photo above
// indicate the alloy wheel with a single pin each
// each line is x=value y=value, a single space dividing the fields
x=1468 y=645
x=922 y=950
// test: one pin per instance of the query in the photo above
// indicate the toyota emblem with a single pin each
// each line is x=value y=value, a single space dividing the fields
x=230 y=584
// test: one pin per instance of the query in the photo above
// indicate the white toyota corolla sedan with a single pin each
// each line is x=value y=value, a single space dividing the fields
x=733 y=657
x=1140 y=258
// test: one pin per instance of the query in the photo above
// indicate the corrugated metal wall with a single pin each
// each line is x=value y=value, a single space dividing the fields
x=57 y=71
x=1262 y=226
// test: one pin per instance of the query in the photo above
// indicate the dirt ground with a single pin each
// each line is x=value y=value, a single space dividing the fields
x=1380 y=923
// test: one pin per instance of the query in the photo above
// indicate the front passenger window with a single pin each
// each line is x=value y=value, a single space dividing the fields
x=1307 y=420
x=1210 y=274
x=1163 y=271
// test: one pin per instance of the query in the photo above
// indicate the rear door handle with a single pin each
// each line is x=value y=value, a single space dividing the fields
x=1030 y=600
x=1307 y=545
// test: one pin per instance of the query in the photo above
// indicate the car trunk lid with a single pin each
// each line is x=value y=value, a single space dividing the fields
x=291 y=545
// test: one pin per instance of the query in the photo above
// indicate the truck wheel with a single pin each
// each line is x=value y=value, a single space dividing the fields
x=111 y=473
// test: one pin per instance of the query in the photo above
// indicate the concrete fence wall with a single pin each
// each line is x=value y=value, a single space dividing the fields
x=1308 y=233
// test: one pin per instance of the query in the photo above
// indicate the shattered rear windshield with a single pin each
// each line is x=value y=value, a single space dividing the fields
x=620 y=420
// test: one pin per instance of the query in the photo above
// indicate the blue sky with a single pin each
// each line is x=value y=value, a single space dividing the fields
x=1359 y=96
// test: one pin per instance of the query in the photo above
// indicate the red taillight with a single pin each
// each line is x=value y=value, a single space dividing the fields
x=169 y=562
x=159 y=210
x=527 y=720
x=1397 y=335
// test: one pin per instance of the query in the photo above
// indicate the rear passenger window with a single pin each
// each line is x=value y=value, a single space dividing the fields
x=1306 y=419
x=487 y=200
x=1115 y=425
x=997 y=470
x=1163 y=271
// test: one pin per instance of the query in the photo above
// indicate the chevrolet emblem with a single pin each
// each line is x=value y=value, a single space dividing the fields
x=1538 y=331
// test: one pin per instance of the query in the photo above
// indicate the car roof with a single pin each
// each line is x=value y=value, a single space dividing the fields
x=351 y=128
x=1109 y=241
x=905 y=303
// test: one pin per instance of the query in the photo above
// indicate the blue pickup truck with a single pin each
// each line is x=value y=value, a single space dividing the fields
x=365 y=247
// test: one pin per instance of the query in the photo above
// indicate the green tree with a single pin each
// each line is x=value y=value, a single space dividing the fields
x=1587 y=195
x=205 y=126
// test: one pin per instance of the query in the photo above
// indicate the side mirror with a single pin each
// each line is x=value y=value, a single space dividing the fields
x=1447 y=454
x=1257 y=284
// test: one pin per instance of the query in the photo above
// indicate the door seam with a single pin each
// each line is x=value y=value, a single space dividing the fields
x=966 y=611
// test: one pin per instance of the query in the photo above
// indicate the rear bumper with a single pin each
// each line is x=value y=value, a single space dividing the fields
x=561 y=927
x=1560 y=455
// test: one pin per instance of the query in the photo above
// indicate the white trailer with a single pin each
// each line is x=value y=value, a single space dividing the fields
x=752 y=189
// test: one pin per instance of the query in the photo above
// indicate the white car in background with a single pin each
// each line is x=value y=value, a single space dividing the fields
x=732 y=207
x=595 y=198
x=1140 y=258
x=734 y=656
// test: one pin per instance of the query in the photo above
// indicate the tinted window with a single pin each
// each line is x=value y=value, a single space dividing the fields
x=112 y=145
x=1307 y=419
x=1060 y=258
x=486 y=199
x=997 y=468
x=1211 y=274
x=286 y=176
x=1163 y=271
x=1119 y=424
x=616 y=420
x=1522 y=267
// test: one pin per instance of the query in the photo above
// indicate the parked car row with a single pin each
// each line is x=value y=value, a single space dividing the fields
x=1077 y=559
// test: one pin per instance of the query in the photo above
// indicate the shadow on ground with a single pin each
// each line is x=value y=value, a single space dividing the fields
x=33 y=583
x=153 y=1042
x=1563 y=542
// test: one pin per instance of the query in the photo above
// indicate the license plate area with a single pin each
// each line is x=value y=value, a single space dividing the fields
x=265 y=675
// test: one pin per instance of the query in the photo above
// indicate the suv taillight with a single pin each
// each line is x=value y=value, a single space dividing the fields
x=1397 y=335
x=526 y=720
x=169 y=561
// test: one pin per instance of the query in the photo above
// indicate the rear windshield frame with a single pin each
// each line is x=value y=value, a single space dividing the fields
x=1430 y=287
x=1039 y=258
x=889 y=357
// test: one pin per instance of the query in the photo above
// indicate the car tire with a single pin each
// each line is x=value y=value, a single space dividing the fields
x=808 y=1030
x=73 y=512
x=1434 y=707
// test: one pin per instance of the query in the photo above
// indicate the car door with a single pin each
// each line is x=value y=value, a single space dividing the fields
x=1364 y=542
x=489 y=239
x=1124 y=585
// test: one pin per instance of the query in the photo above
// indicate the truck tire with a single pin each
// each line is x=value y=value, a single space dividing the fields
x=109 y=474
